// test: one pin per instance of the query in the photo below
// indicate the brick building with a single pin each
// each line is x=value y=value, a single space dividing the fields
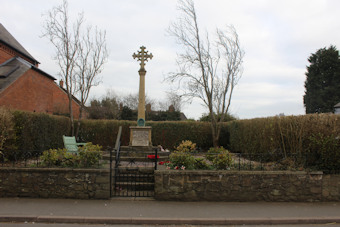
x=23 y=86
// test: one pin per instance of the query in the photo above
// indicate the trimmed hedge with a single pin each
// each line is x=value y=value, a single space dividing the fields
x=39 y=131
x=104 y=132
x=171 y=134
x=314 y=136
x=168 y=134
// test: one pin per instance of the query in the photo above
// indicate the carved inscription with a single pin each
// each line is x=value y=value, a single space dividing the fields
x=140 y=138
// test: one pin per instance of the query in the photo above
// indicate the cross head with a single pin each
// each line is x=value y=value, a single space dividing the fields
x=142 y=56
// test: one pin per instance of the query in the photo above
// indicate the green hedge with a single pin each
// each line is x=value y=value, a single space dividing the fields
x=314 y=137
x=167 y=134
x=39 y=131
x=104 y=132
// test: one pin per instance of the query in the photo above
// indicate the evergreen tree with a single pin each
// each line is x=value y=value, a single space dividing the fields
x=323 y=81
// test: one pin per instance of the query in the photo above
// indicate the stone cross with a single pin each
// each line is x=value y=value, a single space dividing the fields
x=141 y=56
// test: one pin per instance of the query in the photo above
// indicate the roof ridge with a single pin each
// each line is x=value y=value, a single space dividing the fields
x=7 y=38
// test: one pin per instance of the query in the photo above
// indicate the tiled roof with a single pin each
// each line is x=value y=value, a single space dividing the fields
x=8 y=39
x=337 y=105
x=14 y=68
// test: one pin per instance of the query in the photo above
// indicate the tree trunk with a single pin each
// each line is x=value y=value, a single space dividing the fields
x=78 y=122
x=214 y=133
x=71 y=113
x=215 y=141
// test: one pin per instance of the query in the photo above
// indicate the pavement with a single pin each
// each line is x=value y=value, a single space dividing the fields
x=130 y=211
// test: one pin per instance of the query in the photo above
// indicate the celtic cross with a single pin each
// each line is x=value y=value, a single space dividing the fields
x=142 y=56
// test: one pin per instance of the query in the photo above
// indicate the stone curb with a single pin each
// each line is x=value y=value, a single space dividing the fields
x=168 y=221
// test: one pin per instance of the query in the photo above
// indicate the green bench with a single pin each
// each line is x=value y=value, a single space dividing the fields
x=71 y=144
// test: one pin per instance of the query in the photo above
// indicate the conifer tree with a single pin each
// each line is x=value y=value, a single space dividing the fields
x=323 y=81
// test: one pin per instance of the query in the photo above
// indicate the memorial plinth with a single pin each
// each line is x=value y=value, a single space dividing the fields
x=140 y=136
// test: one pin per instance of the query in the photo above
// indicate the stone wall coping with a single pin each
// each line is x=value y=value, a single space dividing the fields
x=233 y=172
x=16 y=169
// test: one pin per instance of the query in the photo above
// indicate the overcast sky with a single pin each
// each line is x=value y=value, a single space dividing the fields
x=278 y=36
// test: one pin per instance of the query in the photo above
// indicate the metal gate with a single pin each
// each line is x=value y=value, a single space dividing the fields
x=131 y=176
x=133 y=183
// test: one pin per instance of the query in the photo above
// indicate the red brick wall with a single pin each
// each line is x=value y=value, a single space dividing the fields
x=6 y=53
x=61 y=102
x=37 y=93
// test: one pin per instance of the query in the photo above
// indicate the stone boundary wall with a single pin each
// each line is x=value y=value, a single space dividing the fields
x=243 y=186
x=246 y=186
x=55 y=183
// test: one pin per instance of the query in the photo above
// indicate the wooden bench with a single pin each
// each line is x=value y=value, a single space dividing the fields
x=71 y=145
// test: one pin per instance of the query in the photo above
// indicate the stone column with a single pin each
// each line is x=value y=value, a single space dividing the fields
x=141 y=135
x=141 y=101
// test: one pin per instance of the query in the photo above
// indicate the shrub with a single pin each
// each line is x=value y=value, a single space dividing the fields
x=182 y=159
x=324 y=152
x=186 y=146
x=53 y=157
x=72 y=160
x=220 y=157
x=200 y=163
x=89 y=156
x=223 y=160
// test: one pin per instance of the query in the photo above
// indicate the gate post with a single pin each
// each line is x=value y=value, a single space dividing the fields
x=156 y=160
x=110 y=173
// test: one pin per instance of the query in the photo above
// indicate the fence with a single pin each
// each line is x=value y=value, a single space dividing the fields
x=36 y=159
x=249 y=162
x=17 y=158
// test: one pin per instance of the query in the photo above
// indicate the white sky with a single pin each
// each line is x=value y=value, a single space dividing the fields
x=277 y=35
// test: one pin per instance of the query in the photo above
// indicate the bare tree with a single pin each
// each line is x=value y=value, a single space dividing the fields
x=175 y=100
x=131 y=100
x=172 y=98
x=66 y=43
x=80 y=56
x=92 y=56
x=206 y=71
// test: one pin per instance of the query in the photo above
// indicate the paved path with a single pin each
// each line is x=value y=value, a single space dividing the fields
x=130 y=211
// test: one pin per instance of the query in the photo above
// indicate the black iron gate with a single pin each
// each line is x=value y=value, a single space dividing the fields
x=133 y=183
x=132 y=173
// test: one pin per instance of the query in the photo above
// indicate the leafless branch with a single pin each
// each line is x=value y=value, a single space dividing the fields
x=206 y=71
x=79 y=55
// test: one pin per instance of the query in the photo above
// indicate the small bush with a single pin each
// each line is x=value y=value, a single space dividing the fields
x=220 y=157
x=200 y=163
x=182 y=159
x=223 y=160
x=186 y=146
x=53 y=157
x=89 y=156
